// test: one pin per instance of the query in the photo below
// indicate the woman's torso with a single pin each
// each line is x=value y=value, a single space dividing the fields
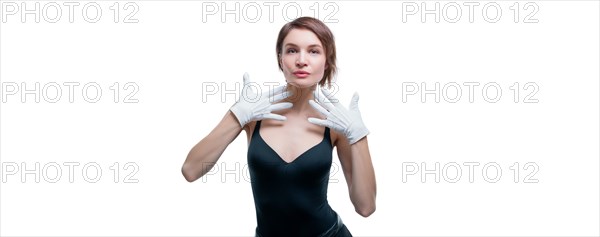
x=290 y=179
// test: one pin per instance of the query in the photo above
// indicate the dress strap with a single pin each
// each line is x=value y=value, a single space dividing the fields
x=327 y=135
x=256 y=129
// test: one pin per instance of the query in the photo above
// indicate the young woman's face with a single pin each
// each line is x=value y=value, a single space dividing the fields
x=302 y=58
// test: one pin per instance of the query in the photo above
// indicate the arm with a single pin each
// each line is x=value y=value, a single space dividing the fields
x=359 y=173
x=352 y=146
x=205 y=154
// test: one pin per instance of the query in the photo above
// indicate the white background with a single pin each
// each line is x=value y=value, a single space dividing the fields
x=170 y=53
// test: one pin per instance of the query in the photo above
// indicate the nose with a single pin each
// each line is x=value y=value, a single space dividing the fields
x=301 y=60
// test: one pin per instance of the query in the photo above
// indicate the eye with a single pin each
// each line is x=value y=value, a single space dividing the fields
x=291 y=50
x=314 y=51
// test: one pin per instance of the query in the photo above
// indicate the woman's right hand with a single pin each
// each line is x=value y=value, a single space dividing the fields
x=253 y=106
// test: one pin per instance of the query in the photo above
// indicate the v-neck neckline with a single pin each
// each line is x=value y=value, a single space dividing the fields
x=259 y=123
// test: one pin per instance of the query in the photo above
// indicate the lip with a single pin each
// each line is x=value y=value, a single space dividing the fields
x=301 y=74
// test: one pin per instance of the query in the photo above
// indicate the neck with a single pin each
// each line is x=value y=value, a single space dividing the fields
x=300 y=98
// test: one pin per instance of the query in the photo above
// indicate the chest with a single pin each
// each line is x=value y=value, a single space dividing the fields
x=309 y=168
x=292 y=142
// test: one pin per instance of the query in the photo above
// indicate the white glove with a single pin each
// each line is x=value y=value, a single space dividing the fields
x=252 y=106
x=338 y=118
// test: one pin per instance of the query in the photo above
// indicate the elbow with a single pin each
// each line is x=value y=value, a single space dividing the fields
x=188 y=174
x=364 y=205
x=366 y=210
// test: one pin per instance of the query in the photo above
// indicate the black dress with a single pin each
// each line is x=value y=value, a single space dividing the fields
x=291 y=198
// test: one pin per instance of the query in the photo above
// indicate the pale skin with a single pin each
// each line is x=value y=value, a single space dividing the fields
x=302 y=50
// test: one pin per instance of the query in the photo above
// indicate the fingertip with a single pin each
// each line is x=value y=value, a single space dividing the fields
x=246 y=77
x=355 y=96
x=275 y=117
x=320 y=94
x=287 y=94
x=316 y=121
x=327 y=95
x=313 y=103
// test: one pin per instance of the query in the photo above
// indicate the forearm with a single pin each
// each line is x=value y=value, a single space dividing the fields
x=363 y=187
x=205 y=154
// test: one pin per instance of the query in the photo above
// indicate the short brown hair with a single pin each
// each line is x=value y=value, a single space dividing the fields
x=325 y=36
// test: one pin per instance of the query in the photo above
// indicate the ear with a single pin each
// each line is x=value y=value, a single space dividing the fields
x=280 y=61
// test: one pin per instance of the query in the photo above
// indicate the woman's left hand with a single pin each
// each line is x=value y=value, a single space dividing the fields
x=344 y=121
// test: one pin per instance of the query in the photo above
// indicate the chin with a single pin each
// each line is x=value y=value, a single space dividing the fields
x=303 y=83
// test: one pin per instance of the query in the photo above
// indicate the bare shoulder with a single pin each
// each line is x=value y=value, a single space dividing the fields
x=339 y=141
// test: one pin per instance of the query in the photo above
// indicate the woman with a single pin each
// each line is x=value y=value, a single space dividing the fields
x=290 y=153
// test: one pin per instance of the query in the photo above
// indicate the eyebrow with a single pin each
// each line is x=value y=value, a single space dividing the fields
x=312 y=45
